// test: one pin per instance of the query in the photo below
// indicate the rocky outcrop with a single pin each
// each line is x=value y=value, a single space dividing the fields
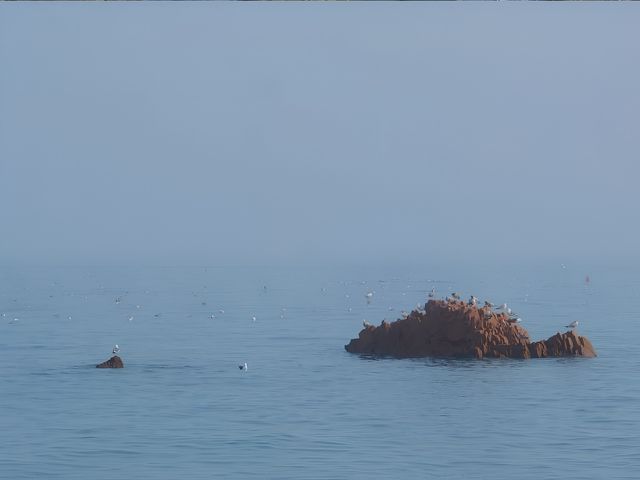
x=455 y=329
x=113 y=362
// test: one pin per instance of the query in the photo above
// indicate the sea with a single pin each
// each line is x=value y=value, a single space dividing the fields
x=305 y=408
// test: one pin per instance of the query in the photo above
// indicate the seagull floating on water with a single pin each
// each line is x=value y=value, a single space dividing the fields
x=572 y=325
x=243 y=367
x=116 y=349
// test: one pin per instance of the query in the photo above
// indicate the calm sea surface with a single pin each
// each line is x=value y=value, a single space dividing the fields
x=305 y=408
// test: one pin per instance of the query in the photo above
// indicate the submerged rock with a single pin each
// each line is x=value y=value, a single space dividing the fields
x=456 y=329
x=113 y=362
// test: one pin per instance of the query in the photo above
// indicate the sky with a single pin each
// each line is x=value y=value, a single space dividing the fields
x=278 y=133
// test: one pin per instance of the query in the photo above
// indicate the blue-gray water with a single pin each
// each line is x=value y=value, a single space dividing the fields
x=181 y=408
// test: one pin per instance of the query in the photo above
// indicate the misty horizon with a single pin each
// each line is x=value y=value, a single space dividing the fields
x=233 y=134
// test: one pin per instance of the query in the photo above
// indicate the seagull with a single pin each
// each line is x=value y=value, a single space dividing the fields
x=432 y=293
x=243 y=367
x=365 y=324
x=514 y=320
x=253 y=318
x=404 y=314
x=473 y=300
x=456 y=295
x=116 y=349
x=572 y=325
x=488 y=304
x=221 y=311
x=369 y=295
x=502 y=307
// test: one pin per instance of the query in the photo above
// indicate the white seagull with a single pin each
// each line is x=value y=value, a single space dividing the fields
x=572 y=325
x=243 y=367
x=116 y=349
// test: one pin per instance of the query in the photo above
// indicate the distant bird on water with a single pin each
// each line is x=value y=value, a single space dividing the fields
x=116 y=349
x=243 y=367
x=572 y=325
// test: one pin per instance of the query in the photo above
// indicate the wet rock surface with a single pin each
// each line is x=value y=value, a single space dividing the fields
x=456 y=329
x=113 y=362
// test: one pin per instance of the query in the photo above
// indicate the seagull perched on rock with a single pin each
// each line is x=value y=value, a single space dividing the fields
x=432 y=293
x=366 y=324
x=572 y=325
x=244 y=367
x=488 y=304
x=473 y=300
x=116 y=349
x=456 y=295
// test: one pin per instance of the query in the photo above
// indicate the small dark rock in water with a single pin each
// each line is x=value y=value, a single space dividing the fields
x=455 y=329
x=113 y=362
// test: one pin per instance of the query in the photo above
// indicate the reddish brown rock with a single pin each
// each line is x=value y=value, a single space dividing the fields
x=455 y=329
x=113 y=362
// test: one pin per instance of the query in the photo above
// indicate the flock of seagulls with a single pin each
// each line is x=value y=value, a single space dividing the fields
x=487 y=308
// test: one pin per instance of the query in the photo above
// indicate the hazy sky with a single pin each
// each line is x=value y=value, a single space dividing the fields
x=241 y=133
